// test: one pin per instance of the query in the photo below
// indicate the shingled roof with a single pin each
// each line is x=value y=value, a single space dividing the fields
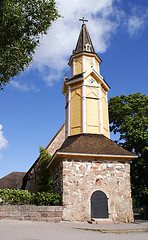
x=90 y=145
x=12 y=181
x=83 y=39
x=93 y=144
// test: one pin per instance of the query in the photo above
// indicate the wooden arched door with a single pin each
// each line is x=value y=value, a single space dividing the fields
x=99 y=205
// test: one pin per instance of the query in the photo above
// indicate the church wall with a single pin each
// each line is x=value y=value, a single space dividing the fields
x=32 y=180
x=88 y=84
x=57 y=141
x=105 y=114
x=78 y=66
x=76 y=85
x=97 y=66
x=88 y=63
x=92 y=113
x=76 y=111
x=66 y=119
x=81 y=179
x=92 y=91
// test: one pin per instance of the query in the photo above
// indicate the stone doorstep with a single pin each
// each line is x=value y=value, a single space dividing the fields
x=101 y=221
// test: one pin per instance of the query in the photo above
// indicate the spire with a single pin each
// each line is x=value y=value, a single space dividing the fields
x=84 y=41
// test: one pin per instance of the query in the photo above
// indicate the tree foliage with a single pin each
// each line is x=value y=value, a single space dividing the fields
x=45 y=178
x=23 y=197
x=21 y=23
x=128 y=116
x=139 y=179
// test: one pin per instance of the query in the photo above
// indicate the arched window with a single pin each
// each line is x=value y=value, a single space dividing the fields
x=99 y=205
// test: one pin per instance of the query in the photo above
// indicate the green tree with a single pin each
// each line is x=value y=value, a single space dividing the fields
x=128 y=116
x=21 y=24
x=45 y=178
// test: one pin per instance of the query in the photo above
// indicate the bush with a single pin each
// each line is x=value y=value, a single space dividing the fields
x=23 y=197
x=15 y=197
x=45 y=177
x=47 y=199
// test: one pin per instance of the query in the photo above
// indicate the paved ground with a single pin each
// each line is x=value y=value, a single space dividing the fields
x=27 y=230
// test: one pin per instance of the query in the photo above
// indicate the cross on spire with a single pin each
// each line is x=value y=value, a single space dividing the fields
x=83 y=20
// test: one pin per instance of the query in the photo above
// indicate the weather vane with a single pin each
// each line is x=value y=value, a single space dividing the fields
x=83 y=20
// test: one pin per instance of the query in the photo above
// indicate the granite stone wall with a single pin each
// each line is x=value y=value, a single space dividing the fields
x=34 y=213
x=82 y=178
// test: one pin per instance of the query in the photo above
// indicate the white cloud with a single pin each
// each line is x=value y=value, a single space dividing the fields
x=105 y=16
x=56 y=47
x=3 y=141
x=135 y=25
x=23 y=86
x=137 y=21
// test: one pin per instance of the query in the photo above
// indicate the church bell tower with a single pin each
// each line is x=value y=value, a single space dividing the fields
x=91 y=173
x=86 y=90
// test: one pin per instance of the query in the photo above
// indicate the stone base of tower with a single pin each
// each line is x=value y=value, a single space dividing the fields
x=82 y=184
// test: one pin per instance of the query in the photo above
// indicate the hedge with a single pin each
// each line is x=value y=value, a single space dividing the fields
x=23 y=197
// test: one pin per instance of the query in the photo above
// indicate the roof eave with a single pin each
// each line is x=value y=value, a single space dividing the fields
x=75 y=80
x=83 y=53
x=86 y=155
x=85 y=75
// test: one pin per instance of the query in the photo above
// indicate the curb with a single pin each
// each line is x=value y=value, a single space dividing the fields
x=114 y=230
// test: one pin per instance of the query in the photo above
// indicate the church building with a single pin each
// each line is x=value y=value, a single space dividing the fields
x=91 y=172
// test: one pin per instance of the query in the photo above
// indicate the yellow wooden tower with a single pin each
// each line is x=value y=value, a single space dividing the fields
x=86 y=91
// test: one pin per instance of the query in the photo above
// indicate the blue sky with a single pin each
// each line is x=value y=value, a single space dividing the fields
x=32 y=105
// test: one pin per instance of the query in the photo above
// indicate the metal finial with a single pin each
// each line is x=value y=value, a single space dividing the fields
x=83 y=20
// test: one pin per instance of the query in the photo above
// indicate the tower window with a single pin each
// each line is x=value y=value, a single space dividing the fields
x=87 y=46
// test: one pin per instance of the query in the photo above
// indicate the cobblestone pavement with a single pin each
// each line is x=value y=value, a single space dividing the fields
x=27 y=230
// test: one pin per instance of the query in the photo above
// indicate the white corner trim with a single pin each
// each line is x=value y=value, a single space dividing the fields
x=73 y=67
x=94 y=63
x=100 y=110
x=83 y=109
x=83 y=63
x=68 y=109
x=108 y=116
